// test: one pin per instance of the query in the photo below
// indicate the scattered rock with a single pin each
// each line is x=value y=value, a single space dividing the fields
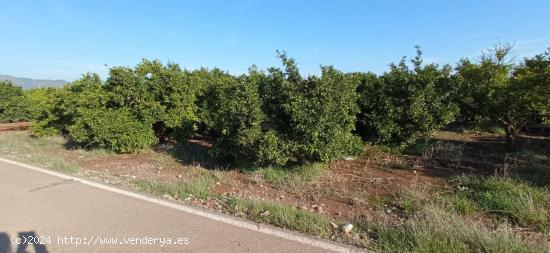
x=388 y=211
x=349 y=158
x=346 y=228
x=355 y=202
x=180 y=176
x=265 y=213
x=333 y=225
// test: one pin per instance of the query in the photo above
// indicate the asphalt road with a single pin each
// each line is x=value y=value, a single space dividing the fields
x=66 y=214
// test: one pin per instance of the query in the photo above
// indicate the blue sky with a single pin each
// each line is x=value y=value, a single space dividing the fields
x=63 y=39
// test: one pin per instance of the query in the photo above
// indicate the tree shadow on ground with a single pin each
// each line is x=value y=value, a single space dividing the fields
x=196 y=152
x=485 y=155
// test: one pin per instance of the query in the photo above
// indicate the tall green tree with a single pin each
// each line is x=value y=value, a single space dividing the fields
x=526 y=96
x=497 y=91
x=477 y=85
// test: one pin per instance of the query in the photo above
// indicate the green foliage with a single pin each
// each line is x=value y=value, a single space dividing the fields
x=279 y=117
x=116 y=129
x=404 y=104
x=56 y=109
x=526 y=98
x=12 y=103
x=476 y=88
x=239 y=123
x=45 y=110
x=38 y=101
x=81 y=110
x=315 y=116
x=497 y=92
x=159 y=95
x=211 y=84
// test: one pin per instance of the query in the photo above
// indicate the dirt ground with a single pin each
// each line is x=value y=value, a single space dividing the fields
x=15 y=126
x=346 y=190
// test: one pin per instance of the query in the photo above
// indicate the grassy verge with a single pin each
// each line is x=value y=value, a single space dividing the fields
x=459 y=220
x=294 y=177
x=281 y=215
x=506 y=198
x=273 y=213
x=436 y=230
x=37 y=151
x=200 y=187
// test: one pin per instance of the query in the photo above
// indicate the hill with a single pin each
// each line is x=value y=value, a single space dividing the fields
x=29 y=83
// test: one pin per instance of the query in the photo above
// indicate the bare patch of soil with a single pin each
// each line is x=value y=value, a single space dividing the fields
x=15 y=126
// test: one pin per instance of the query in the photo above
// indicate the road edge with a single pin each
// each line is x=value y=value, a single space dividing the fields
x=265 y=229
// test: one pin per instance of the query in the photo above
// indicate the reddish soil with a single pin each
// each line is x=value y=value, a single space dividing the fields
x=346 y=190
x=14 y=126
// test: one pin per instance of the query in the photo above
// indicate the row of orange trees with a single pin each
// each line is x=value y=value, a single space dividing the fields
x=279 y=116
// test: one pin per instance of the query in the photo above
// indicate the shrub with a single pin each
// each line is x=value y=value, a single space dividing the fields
x=210 y=88
x=45 y=110
x=56 y=109
x=38 y=100
x=240 y=123
x=315 y=116
x=12 y=103
x=116 y=129
x=277 y=117
x=404 y=104
x=160 y=95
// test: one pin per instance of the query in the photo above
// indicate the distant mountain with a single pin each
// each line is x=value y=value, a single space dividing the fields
x=28 y=83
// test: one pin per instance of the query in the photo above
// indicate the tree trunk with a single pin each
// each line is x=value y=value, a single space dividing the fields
x=511 y=134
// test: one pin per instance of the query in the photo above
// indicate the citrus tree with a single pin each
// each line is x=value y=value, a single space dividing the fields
x=405 y=103
x=13 y=107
